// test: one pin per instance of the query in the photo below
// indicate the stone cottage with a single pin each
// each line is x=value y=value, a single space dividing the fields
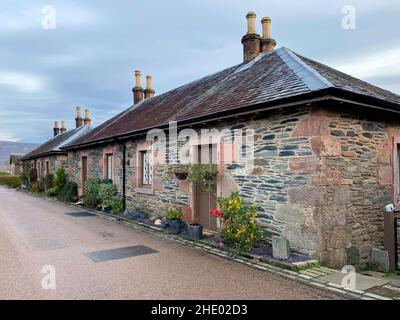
x=315 y=149
x=47 y=157
x=15 y=164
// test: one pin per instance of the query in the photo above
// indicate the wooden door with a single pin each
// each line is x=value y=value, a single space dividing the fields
x=84 y=171
x=206 y=200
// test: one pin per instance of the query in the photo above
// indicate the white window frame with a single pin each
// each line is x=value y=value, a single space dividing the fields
x=147 y=180
x=109 y=166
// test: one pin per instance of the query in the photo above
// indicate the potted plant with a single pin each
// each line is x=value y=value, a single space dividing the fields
x=195 y=229
x=174 y=217
x=204 y=174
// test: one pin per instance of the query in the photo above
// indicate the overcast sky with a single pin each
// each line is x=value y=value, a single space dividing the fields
x=90 y=57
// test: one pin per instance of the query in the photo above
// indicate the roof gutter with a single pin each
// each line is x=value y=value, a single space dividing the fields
x=43 y=155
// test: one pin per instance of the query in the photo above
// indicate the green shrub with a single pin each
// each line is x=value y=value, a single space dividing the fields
x=10 y=181
x=3 y=173
x=174 y=214
x=91 y=197
x=47 y=181
x=60 y=180
x=239 y=223
x=52 y=192
x=102 y=194
x=118 y=205
x=108 y=193
x=69 y=193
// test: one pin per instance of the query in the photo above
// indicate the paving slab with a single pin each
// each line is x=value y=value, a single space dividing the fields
x=362 y=282
x=119 y=253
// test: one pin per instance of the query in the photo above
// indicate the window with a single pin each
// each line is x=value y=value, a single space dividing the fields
x=38 y=169
x=84 y=170
x=47 y=167
x=147 y=168
x=109 y=166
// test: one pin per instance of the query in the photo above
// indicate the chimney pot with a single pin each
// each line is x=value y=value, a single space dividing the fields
x=56 y=129
x=87 y=121
x=267 y=43
x=78 y=119
x=251 y=22
x=138 y=78
x=149 y=92
x=63 y=129
x=251 y=41
x=138 y=93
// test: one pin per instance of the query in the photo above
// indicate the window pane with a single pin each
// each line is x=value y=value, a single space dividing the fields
x=109 y=166
x=146 y=167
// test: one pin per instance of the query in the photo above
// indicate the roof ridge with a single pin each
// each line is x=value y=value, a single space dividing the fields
x=77 y=132
x=310 y=77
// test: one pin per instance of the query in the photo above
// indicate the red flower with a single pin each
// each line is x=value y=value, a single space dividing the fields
x=221 y=245
x=210 y=211
x=217 y=212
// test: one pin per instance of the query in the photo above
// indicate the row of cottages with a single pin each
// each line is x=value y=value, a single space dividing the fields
x=314 y=148
x=49 y=156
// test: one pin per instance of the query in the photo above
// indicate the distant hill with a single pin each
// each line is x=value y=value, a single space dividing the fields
x=7 y=147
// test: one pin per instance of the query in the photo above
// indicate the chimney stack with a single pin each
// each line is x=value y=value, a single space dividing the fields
x=78 y=119
x=63 y=129
x=87 y=121
x=138 y=94
x=148 y=92
x=267 y=43
x=56 y=129
x=251 y=41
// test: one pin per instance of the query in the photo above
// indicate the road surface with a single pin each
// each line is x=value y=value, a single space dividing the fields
x=37 y=234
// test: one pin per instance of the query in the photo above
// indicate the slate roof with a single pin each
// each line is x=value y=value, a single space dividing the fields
x=55 y=144
x=271 y=78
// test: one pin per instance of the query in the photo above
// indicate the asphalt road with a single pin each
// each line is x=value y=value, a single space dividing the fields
x=35 y=233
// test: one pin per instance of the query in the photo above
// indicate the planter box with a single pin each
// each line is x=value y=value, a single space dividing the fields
x=175 y=226
x=195 y=231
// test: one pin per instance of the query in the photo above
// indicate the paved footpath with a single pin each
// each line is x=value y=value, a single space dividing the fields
x=35 y=233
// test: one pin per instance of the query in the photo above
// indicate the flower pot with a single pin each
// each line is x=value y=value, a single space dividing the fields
x=175 y=226
x=195 y=231
x=181 y=175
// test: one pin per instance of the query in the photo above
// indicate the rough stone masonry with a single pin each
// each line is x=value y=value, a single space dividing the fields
x=320 y=178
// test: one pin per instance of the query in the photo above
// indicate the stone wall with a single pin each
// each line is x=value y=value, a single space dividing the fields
x=320 y=178
x=355 y=182
x=55 y=162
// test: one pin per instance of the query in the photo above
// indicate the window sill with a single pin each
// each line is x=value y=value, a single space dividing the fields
x=144 y=190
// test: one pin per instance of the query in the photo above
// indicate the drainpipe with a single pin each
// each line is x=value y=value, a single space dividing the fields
x=123 y=174
x=390 y=233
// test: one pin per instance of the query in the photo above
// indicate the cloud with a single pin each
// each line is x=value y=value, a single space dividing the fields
x=384 y=64
x=22 y=82
x=90 y=58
